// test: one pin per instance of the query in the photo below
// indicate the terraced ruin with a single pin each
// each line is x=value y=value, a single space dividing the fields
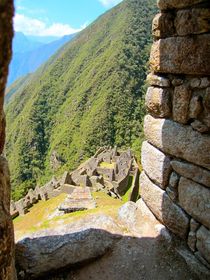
x=109 y=170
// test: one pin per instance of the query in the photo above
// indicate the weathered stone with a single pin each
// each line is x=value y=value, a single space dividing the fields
x=178 y=140
x=194 y=225
x=205 y=82
x=163 y=25
x=192 y=172
x=191 y=241
x=193 y=263
x=66 y=179
x=129 y=215
x=192 y=21
x=202 y=260
x=156 y=164
x=194 y=199
x=203 y=242
x=158 y=101
x=199 y=126
x=195 y=83
x=173 y=55
x=177 y=82
x=156 y=80
x=54 y=249
x=163 y=207
x=21 y=207
x=195 y=107
x=174 y=180
x=172 y=193
x=171 y=4
x=181 y=100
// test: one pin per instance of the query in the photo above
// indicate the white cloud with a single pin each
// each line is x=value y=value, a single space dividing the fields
x=109 y=3
x=32 y=26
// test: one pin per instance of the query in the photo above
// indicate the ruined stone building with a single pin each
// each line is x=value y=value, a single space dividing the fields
x=175 y=183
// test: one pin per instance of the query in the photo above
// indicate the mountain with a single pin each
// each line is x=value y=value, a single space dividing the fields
x=22 y=43
x=89 y=94
x=28 y=60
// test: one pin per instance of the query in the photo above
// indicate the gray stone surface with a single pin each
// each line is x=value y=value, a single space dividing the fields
x=191 y=241
x=203 y=242
x=192 y=21
x=193 y=263
x=181 y=101
x=54 y=249
x=157 y=80
x=163 y=207
x=129 y=214
x=158 y=101
x=194 y=199
x=178 y=140
x=173 y=55
x=174 y=180
x=194 y=225
x=191 y=171
x=156 y=164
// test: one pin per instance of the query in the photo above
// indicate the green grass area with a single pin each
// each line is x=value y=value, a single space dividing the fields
x=107 y=165
x=38 y=217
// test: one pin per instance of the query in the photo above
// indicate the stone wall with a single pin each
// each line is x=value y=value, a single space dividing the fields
x=6 y=228
x=175 y=182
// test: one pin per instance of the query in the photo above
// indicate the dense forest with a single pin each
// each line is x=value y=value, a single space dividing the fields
x=89 y=94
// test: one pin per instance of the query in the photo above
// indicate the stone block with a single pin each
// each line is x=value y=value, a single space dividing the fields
x=178 y=140
x=195 y=107
x=192 y=21
x=157 y=80
x=156 y=164
x=66 y=178
x=191 y=171
x=163 y=25
x=199 y=126
x=176 y=4
x=173 y=55
x=174 y=180
x=158 y=101
x=191 y=241
x=172 y=193
x=203 y=242
x=194 y=225
x=194 y=199
x=165 y=210
x=181 y=101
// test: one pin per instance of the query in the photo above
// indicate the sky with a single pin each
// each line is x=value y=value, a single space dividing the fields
x=57 y=17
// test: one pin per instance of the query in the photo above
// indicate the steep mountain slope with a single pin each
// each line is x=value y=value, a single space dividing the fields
x=88 y=95
x=24 y=62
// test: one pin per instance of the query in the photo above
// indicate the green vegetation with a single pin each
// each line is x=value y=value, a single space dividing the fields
x=89 y=94
x=40 y=215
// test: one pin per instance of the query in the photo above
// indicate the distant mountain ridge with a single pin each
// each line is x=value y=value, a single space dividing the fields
x=88 y=94
x=28 y=55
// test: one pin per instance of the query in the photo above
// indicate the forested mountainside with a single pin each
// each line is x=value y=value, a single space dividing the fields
x=27 y=60
x=89 y=94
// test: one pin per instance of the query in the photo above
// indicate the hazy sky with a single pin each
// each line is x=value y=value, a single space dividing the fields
x=57 y=17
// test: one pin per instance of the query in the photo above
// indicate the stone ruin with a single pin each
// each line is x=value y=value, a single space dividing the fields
x=175 y=182
x=108 y=171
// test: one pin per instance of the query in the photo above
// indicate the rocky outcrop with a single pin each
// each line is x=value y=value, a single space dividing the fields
x=64 y=247
x=175 y=156
x=7 y=271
